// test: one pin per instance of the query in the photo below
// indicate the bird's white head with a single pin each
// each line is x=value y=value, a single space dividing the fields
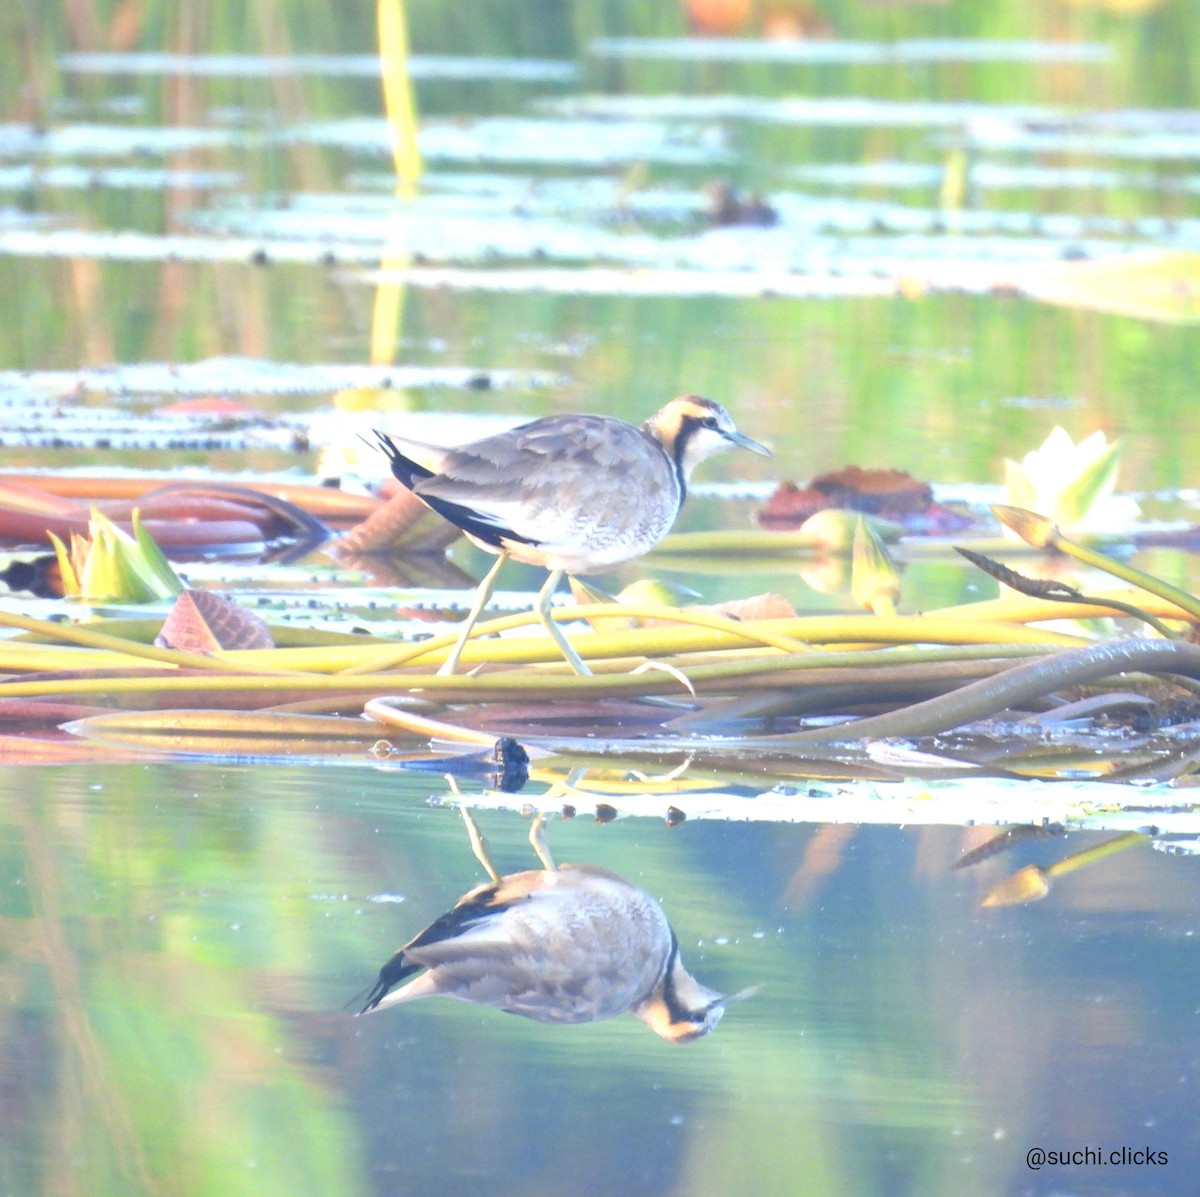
x=679 y=1008
x=691 y=428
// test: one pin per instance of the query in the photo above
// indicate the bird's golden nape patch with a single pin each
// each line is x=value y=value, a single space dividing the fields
x=698 y=407
x=685 y=411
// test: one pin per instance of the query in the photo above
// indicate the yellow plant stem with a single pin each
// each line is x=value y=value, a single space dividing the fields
x=1020 y=609
x=1084 y=555
x=751 y=631
x=1032 y=883
x=519 y=683
x=1042 y=533
x=75 y=634
x=789 y=635
x=60 y=658
x=512 y=684
x=24 y=657
x=393 y=711
x=700 y=647
x=687 y=648
x=399 y=105
x=1089 y=856
x=401 y=110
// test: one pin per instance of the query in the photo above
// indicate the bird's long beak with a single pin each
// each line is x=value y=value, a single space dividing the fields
x=741 y=995
x=744 y=442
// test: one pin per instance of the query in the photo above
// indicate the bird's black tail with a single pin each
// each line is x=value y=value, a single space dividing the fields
x=404 y=468
x=390 y=976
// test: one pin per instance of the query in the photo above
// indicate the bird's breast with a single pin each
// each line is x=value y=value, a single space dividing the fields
x=596 y=526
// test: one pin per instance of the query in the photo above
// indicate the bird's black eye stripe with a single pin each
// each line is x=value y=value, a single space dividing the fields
x=678 y=1012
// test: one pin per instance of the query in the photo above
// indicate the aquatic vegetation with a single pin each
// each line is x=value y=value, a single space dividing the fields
x=110 y=565
x=1072 y=484
x=203 y=252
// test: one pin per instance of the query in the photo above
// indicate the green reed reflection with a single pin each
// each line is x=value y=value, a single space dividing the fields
x=180 y=943
x=177 y=943
x=161 y=1018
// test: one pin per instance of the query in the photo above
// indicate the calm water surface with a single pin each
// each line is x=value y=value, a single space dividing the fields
x=180 y=944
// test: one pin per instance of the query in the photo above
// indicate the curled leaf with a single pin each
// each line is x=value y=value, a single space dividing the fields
x=202 y=621
x=402 y=523
x=1159 y=285
x=874 y=578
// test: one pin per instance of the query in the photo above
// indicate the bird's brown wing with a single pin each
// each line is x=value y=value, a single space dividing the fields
x=475 y=908
x=539 y=482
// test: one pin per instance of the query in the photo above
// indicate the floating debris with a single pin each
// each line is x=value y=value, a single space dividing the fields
x=726 y=207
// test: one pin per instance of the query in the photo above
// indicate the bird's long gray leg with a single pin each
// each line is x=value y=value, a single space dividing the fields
x=479 y=845
x=537 y=837
x=544 y=600
x=482 y=594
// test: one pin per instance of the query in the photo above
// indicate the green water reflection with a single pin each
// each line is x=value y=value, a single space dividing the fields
x=943 y=386
x=179 y=944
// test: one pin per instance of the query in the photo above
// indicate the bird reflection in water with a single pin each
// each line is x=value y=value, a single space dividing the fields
x=562 y=944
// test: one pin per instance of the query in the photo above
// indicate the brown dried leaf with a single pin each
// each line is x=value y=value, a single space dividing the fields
x=202 y=621
x=887 y=494
x=757 y=606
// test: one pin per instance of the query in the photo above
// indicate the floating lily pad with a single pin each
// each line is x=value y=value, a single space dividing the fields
x=361 y=66
x=833 y=50
x=253 y=376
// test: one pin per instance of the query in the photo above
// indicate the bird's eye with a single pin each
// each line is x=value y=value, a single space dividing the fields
x=710 y=422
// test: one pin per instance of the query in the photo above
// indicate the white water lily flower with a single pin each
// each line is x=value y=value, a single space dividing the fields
x=1071 y=484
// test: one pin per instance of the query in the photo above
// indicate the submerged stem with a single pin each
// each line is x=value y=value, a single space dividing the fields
x=981 y=699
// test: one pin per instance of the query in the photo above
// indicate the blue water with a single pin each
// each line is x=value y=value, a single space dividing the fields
x=180 y=944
